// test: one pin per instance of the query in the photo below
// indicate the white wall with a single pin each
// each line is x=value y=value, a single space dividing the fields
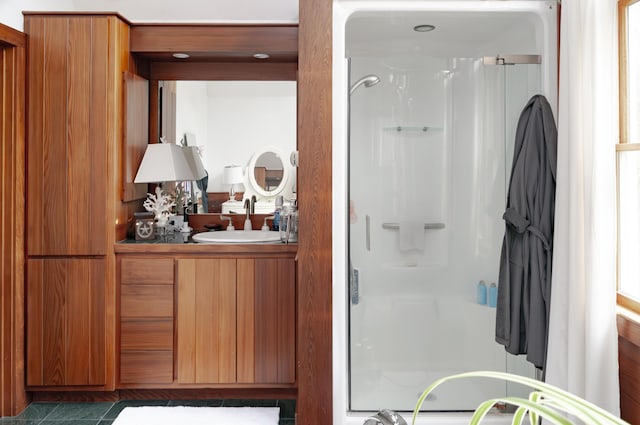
x=232 y=120
x=245 y=11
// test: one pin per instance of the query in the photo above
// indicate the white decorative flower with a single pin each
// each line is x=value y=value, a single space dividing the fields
x=160 y=205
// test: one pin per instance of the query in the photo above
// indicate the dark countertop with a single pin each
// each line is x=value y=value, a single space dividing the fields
x=177 y=243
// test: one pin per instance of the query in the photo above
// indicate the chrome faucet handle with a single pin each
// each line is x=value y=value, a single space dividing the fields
x=230 y=224
x=264 y=224
x=385 y=417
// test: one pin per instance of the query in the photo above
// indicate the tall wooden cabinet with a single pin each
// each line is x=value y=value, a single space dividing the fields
x=74 y=133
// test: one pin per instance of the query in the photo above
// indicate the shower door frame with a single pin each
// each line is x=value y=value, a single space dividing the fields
x=342 y=10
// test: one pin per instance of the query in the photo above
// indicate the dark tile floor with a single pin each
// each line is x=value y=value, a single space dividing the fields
x=103 y=413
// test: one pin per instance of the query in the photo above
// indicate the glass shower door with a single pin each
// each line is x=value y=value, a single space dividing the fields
x=429 y=157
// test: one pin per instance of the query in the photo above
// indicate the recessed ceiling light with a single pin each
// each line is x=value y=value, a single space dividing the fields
x=424 y=28
x=261 y=56
x=180 y=55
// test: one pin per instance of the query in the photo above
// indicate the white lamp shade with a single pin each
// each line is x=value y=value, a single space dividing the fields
x=164 y=162
x=195 y=162
x=232 y=174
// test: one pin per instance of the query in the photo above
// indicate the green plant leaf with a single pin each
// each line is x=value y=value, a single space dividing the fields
x=545 y=401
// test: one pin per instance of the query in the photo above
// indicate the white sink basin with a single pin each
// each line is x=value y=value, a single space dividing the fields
x=238 y=236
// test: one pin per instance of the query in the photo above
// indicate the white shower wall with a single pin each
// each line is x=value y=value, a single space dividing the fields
x=416 y=317
x=432 y=143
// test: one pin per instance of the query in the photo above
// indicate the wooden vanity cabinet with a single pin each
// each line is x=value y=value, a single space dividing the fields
x=214 y=319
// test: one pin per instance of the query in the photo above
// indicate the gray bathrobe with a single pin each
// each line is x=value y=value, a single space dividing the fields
x=524 y=290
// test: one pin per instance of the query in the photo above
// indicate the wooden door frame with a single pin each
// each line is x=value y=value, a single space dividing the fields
x=314 y=374
x=13 y=397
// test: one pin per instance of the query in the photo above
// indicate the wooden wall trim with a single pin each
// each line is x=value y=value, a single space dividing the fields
x=629 y=364
x=225 y=38
x=12 y=38
x=13 y=397
x=77 y=13
x=315 y=401
x=204 y=71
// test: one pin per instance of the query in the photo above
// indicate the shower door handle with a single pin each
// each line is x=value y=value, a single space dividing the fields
x=354 y=286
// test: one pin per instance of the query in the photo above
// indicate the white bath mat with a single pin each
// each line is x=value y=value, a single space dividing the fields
x=187 y=415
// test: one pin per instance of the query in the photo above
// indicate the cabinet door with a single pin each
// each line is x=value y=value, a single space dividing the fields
x=66 y=322
x=206 y=341
x=266 y=321
x=71 y=134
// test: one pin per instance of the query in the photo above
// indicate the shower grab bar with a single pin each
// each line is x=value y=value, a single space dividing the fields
x=512 y=60
x=399 y=128
x=367 y=241
x=429 y=226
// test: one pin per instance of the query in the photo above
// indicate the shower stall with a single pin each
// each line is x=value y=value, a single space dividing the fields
x=427 y=96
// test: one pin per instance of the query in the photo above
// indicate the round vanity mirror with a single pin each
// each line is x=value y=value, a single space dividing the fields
x=267 y=172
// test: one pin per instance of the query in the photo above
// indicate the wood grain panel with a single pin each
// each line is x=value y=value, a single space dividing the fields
x=226 y=305
x=266 y=307
x=314 y=358
x=54 y=138
x=275 y=305
x=223 y=71
x=232 y=39
x=206 y=321
x=54 y=294
x=186 y=318
x=103 y=135
x=141 y=271
x=136 y=134
x=65 y=333
x=146 y=301
x=78 y=143
x=286 y=318
x=246 y=320
x=35 y=310
x=143 y=367
x=629 y=366
x=146 y=334
x=12 y=186
x=75 y=106
x=78 y=356
x=35 y=129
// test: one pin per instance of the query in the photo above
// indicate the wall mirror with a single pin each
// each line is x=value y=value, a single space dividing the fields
x=246 y=123
x=267 y=172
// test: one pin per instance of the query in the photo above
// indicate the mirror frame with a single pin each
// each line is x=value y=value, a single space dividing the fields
x=252 y=176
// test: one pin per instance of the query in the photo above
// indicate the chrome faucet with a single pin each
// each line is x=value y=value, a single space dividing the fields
x=385 y=417
x=253 y=204
x=248 y=207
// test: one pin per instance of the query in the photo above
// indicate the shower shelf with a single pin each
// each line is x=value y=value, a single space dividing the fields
x=427 y=226
x=400 y=128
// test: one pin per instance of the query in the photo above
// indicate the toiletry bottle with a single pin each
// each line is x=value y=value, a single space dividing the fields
x=481 y=296
x=493 y=295
x=277 y=213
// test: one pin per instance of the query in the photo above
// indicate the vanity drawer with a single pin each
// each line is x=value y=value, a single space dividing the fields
x=141 y=334
x=146 y=301
x=146 y=367
x=146 y=271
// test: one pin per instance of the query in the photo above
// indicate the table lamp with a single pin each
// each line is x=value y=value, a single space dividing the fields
x=232 y=176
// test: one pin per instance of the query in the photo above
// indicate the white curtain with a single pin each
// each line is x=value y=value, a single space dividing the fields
x=583 y=344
